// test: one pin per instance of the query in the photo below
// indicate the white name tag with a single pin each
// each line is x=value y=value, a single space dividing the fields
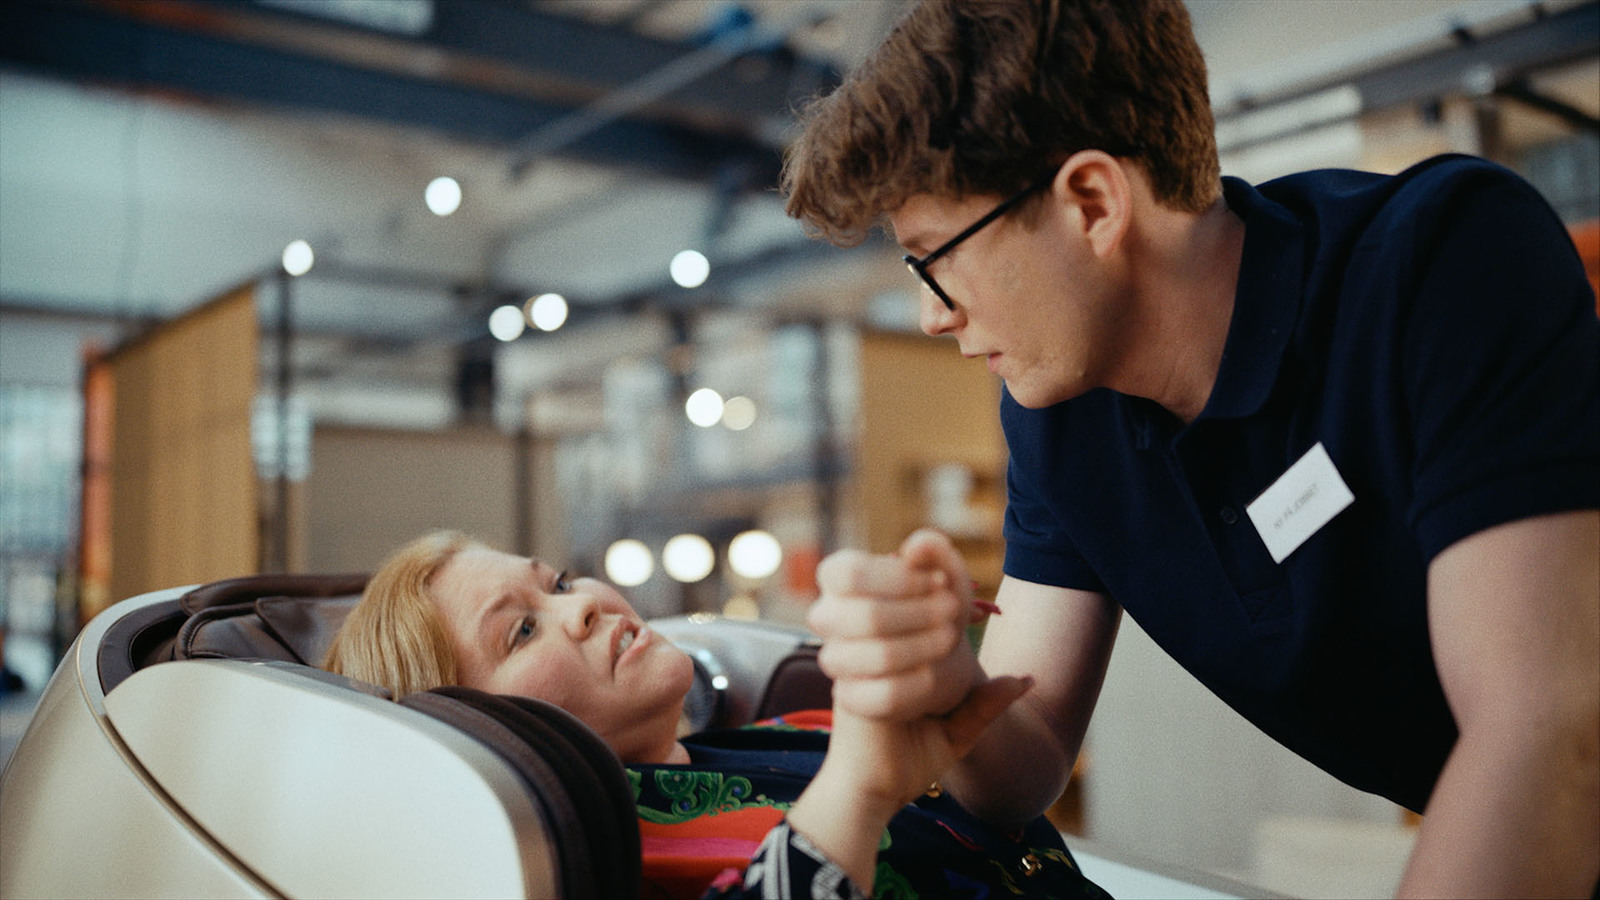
x=1299 y=503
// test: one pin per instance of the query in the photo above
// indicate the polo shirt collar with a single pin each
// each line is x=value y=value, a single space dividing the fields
x=1265 y=306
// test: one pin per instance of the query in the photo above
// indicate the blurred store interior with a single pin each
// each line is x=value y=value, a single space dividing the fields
x=532 y=236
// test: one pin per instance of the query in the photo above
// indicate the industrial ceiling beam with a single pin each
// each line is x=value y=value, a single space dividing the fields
x=1480 y=63
x=1475 y=63
x=718 y=52
x=561 y=58
x=1500 y=63
x=483 y=70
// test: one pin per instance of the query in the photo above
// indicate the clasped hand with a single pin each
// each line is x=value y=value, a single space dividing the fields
x=910 y=698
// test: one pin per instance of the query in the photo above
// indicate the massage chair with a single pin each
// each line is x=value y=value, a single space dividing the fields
x=188 y=745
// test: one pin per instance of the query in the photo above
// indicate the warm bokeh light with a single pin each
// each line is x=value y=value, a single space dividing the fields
x=741 y=606
x=739 y=413
x=629 y=563
x=443 y=195
x=547 y=312
x=505 y=323
x=687 y=558
x=755 y=554
x=297 y=258
x=704 y=407
x=690 y=268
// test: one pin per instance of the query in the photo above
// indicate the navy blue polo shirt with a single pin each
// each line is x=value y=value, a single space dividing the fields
x=1434 y=331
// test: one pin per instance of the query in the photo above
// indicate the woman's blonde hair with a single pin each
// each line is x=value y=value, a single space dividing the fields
x=395 y=637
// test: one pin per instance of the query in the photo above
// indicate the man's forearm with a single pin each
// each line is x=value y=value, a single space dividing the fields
x=1516 y=812
x=1022 y=763
x=1016 y=771
x=1514 y=615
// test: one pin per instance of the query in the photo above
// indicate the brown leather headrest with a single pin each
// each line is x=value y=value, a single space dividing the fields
x=250 y=588
x=292 y=618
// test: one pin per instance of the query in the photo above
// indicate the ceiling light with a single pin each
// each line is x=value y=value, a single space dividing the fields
x=547 y=312
x=755 y=554
x=704 y=407
x=628 y=563
x=443 y=195
x=506 y=323
x=687 y=558
x=690 y=268
x=739 y=413
x=297 y=258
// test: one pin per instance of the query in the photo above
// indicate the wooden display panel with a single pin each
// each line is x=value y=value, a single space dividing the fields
x=924 y=407
x=371 y=490
x=182 y=481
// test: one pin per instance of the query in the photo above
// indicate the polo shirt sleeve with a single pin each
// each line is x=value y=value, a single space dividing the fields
x=1501 y=360
x=1038 y=549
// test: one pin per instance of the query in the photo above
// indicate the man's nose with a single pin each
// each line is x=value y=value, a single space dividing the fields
x=933 y=316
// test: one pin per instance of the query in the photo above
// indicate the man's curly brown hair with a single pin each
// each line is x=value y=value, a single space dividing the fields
x=972 y=97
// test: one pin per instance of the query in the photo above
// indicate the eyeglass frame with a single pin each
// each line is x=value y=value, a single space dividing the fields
x=919 y=267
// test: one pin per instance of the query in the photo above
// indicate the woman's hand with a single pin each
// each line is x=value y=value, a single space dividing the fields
x=876 y=766
x=894 y=629
x=890 y=763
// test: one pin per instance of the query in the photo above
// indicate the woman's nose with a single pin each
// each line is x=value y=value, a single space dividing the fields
x=579 y=614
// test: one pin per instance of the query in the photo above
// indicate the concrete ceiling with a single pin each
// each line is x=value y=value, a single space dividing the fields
x=155 y=153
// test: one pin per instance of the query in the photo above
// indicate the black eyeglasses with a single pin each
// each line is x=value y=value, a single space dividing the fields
x=920 y=266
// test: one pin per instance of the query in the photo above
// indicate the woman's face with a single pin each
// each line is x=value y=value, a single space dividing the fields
x=521 y=627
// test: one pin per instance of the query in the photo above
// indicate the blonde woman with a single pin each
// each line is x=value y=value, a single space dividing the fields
x=813 y=804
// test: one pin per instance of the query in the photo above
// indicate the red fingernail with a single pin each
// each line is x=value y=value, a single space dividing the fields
x=987 y=607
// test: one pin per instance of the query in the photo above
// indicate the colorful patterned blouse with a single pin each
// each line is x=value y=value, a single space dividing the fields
x=716 y=828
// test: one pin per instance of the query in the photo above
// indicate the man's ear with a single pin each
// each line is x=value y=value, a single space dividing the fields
x=1095 y=189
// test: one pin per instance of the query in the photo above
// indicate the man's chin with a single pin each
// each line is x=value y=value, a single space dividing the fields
x=1035 y=397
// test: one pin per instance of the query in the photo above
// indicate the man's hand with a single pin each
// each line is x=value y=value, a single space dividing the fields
x=894 y=629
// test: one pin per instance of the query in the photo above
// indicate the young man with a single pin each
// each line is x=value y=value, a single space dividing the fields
x=1333 y=441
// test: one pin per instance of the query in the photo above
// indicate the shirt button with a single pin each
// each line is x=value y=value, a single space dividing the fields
x=1229 y=515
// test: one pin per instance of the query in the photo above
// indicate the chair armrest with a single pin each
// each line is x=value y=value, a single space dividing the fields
x=742 y=657
x=325 y=791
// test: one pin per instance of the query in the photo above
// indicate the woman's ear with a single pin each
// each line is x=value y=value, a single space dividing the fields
x=1094 y=188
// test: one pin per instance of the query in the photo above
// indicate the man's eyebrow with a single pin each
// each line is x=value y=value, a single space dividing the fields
x=914 y=245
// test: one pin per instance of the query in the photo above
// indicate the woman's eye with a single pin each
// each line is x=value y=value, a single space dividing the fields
x=563 y=582
x=524 y=633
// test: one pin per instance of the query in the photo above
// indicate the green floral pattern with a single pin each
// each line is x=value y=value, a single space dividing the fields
x=690 y=794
